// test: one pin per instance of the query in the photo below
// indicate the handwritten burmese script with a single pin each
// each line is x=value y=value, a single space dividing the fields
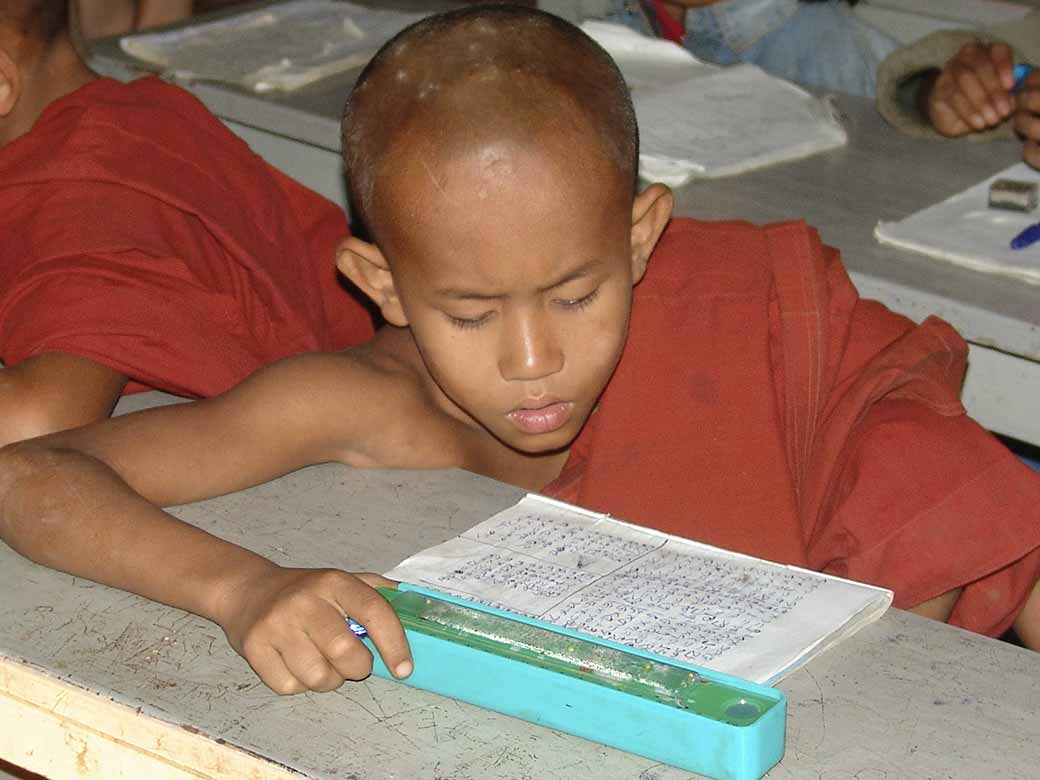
x=644 y=589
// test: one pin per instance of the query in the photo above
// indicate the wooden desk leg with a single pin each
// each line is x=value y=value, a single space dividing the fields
x=69 y=733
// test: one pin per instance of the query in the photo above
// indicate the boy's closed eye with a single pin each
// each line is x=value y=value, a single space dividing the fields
x=581 y=301
x=576 y=303
x=466 y=323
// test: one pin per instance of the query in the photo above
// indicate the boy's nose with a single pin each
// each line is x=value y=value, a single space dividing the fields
x=529 y=349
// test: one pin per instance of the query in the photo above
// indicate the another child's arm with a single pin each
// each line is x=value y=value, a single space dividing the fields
x=972 y=92
x=84 y=502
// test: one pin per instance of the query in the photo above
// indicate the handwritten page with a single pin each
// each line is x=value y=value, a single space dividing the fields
x=963 y=230
x=583 y=570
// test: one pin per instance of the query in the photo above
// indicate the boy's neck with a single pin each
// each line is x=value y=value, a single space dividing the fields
x=471 y=447
x=55 y=73
x=525 y=471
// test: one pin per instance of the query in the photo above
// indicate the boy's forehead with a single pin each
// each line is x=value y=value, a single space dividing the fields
x=486 y=138
x=519 y=204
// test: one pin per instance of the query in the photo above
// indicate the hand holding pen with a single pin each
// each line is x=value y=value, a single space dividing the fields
x=974 y=91
x=1027 y=114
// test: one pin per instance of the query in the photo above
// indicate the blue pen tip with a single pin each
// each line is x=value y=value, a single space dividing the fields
x=1022 y=70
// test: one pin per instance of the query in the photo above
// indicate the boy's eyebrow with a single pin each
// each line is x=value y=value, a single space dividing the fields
x=472 y=295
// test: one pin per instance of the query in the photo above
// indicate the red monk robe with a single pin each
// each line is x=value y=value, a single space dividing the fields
x=142 y=234
x=762 y=406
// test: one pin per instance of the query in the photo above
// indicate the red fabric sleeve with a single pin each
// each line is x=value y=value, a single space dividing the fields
x=928 y=503
x=141 y=233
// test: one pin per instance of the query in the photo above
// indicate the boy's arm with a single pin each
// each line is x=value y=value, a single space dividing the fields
x=83 y=501
x=54 y=391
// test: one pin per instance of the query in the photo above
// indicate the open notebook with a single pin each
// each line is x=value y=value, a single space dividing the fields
x=584 y=570
x=963 y=230
x=695 y=120
x=702 y=121
x=283 y=46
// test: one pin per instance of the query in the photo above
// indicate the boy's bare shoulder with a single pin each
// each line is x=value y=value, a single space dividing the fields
x=375 y=400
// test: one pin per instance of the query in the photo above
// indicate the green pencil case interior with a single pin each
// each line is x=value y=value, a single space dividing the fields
x=639 y=702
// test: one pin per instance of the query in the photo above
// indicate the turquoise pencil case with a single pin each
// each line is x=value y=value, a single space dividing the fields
x=639 y=702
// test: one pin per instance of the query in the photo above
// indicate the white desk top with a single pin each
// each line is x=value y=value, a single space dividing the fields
x=905 y=698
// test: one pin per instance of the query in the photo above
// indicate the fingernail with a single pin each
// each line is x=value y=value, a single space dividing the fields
x=990 y=114
x=977 y=121
x=403 y=669
x=1004 y=107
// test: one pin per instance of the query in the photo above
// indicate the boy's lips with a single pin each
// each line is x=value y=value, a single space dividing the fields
x=545 y=418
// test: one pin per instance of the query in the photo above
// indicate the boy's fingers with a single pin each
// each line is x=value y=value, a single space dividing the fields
x=976 y=86
x=269 y=667
x=307 y=664
x=1028 y=100
x=384 y=629
x=1031 y=153
x=1027 y=125
x=965 y=109
x=343 y=651
x=946 y=120
x=1003 y=60
x=376 y=580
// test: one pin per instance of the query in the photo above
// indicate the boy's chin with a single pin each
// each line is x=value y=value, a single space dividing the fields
x=545 y=444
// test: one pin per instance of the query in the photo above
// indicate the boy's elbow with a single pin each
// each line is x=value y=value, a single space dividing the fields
x=21 y=464
x=40 y=500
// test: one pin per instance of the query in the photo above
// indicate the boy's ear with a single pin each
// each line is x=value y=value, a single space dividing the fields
x=365 y=266
x=651 y=210
x=10 y=83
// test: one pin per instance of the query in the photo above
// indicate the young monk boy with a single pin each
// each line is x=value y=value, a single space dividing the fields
x=747 y=397
x=143 y=245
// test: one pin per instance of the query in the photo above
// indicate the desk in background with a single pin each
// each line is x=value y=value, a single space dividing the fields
x=97 y=684
x=880 y=175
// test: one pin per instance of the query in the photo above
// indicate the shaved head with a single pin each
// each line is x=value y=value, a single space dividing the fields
x=36 y=20
x=457 y=82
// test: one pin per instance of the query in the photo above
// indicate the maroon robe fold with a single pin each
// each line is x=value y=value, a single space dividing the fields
x=762 y=406
x=140 y=233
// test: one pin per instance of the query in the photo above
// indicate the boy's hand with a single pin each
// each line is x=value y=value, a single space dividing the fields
x=288 y=624
x=1027 y=117
x=973 y=90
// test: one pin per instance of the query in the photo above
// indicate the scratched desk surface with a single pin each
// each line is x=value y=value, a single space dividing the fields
x=904 y=698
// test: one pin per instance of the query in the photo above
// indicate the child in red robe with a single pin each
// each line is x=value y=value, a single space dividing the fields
x=144 y=245
x=743 y=395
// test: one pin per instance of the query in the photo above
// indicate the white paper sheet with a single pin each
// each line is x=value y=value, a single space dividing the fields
x=283 y=46
x=729 y=612
x=698 y=120
x=734 y=120
x=963 y=230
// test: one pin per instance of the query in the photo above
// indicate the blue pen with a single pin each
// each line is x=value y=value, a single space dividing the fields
x=1027 y=237
x=356 y=628
x=1022 y=72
